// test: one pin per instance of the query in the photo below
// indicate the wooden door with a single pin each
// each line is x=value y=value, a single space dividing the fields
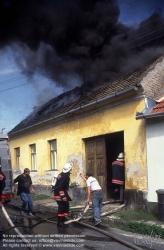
x=96 y=161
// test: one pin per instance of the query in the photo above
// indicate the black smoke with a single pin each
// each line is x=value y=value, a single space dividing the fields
x=77 y=39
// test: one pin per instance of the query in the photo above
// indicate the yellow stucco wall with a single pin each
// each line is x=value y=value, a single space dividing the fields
x=70 y=146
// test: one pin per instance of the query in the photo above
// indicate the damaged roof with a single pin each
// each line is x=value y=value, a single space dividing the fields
x=152 y=112
x=159 y=108
x=76 y=98
x=153 y=82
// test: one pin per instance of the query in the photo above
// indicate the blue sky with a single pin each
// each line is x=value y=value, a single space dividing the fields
x=18 y=102
x=134 y=11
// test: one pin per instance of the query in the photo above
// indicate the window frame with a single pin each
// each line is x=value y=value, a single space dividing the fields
x=33 y=156
x=17 y=157
x=53 y=155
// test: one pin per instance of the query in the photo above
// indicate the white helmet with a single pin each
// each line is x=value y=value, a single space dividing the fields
x=121 y=157
x=67 y=167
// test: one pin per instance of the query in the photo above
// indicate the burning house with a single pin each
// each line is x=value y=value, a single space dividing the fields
x=108 y=72
x=90 y=130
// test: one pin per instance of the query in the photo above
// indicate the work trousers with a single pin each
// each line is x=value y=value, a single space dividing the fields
x=97 y=197
x=63 y=208
x=27 y=200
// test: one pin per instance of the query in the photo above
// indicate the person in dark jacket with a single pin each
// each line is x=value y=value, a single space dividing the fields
x=24 y=185
x=118 y=175
x=61 y=194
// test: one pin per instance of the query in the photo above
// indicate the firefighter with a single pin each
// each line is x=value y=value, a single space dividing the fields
x=61 y=194
x=2 y=182
x=118 y=176
x=2 y=187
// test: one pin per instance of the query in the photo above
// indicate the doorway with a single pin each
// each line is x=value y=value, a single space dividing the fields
x=101 y=151
x=114 y=145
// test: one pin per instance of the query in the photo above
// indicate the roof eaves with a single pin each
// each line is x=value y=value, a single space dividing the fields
x=68 y=112
x=148 y=116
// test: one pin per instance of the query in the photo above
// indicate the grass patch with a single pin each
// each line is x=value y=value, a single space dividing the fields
x=142 y=228
x=136 y=216
x=34 y=197
x=39 y=197
x=76 y=203
x=135 y=222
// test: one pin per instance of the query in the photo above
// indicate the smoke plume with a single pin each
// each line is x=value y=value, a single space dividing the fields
x=77 y=39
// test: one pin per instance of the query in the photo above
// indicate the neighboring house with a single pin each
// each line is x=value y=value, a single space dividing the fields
x=155 y=149
x=90 y=130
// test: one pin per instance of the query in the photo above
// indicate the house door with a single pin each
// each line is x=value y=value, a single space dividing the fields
x=96 y=161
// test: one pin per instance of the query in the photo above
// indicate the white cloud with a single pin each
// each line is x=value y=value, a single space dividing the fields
x=6 y=71
x=8 y=64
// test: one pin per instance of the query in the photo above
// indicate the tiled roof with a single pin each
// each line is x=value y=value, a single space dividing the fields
x=153 y=82
x=75 y=98
x=159 y=108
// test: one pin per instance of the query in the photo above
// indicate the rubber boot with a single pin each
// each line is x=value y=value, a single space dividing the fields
x=121 y=194
x=61 y=222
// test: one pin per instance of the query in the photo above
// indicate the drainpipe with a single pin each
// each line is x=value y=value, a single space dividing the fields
x=83 y=107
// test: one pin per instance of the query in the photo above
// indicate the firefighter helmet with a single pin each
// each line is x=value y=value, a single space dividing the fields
x=121 y=157
x=67 y=167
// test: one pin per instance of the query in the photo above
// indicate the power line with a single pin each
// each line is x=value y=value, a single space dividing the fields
x=145 y=35
x=14 y=87
x=100 y=53
x=20 y=85
x=14 y=79
x=19 y=78
x=135 y=30
x=34 y=80
x=146 y=41
x=134 y=41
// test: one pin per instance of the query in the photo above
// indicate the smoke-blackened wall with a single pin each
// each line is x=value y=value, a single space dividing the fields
x=77 y=39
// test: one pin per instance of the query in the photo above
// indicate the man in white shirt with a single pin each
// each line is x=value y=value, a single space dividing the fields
x=95 y=192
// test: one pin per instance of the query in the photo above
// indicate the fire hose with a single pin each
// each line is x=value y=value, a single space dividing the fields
x=21 y=236
x=110 y=235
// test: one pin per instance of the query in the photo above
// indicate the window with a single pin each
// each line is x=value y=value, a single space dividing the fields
x=33 y=156
x=53 y=154
x=17 y=157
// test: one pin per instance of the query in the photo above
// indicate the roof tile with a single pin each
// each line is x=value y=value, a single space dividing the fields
x=159 y=108
x=75 y=98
